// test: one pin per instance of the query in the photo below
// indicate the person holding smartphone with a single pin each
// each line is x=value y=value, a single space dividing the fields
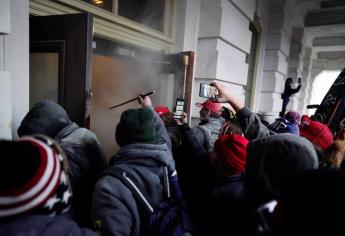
x=210 y=124
x=288 y=91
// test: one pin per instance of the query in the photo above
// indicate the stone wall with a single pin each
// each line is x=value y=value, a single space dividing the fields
x=5 y=74
x=14 y=65
x=224 y=41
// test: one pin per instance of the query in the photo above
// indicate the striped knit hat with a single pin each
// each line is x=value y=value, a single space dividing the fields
x=32 y=178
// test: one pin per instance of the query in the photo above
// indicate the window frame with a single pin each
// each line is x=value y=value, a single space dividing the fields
x=116 y=18
x=110 y=26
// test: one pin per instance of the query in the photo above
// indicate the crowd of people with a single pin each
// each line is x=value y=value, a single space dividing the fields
x=232 y=174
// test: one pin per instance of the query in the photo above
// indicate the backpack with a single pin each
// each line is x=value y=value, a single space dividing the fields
x=170 y=217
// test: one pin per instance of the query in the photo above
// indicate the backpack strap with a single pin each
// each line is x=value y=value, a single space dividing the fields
x=207 y=134
x=166 y=182
x=129 y=183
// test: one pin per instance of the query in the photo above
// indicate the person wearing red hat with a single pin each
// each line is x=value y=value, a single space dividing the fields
x=173 y=131
x=210 y=124
x=161 y=110
x=217 y=179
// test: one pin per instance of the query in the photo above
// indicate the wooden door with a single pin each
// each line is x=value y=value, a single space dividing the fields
x=63 y=42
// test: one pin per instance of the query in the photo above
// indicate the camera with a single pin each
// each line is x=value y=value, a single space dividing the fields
x=208 y=91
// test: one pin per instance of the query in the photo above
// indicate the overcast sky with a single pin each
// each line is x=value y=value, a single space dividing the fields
x=321 y=86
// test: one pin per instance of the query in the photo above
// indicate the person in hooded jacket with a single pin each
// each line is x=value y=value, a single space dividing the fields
x=85 y=156
x=210 y=124
x=144 y=155
x=35 y=195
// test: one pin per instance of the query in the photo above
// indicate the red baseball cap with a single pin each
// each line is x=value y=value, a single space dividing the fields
x=316 y=132
x=161 y=110
x=211 y=106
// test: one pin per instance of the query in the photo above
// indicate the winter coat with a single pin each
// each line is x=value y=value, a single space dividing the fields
x=114 y=209
x=81 y=146
x=208 y=133
x=41 y=225
x=226 y=198
x=288 y=90
x=208 y=194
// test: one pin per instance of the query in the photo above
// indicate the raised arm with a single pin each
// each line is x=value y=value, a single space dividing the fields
x=250 y=123
x=161 y=132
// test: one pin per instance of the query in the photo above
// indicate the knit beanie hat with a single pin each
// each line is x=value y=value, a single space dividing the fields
x=136 y=126
x=231 y=150
x=316 y=132
x=282 y=125
x=32 y=179
x=294 y=117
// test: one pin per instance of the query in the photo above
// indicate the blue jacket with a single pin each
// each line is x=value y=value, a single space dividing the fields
x=41 y=225
x=114 y=208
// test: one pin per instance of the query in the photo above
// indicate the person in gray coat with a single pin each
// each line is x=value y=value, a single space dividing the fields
x=145 y=153
x=211 y=122
x=85 y=156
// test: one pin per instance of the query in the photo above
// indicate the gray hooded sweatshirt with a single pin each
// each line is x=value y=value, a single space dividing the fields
x=114 y=209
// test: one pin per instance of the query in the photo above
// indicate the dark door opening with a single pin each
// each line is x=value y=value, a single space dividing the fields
x=60 y=62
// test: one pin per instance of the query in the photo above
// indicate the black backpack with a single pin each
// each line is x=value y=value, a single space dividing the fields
x=170 y=218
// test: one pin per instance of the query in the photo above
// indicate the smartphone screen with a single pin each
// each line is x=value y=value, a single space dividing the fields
x=179 y=108
x=208 y=91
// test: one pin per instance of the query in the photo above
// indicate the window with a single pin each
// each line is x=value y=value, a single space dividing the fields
x=150 y=13
x=107 y=5
x=146 y=12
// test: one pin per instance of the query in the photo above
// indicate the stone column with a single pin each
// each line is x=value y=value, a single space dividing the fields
x=295 y=64
x=5 y=75
x=223 y=43
x=305 y=92
x=277 y=51
x=17 y=48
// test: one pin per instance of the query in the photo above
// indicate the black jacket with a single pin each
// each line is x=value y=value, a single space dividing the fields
x=41 y=225
x=216 y=202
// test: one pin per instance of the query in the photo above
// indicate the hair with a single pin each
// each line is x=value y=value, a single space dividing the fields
x=321 y=156
x=335 y=153
x=205 y=114
x=227 y=114
x=287 y=81
x=168 y=119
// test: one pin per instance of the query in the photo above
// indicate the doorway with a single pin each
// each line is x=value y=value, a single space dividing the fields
x=60 y=62
x=122 y=71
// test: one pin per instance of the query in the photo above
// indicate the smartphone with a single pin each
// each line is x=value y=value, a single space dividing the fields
x=208 y=91
x=179 y=108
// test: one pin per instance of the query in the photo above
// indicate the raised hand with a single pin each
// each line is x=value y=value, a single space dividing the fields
x=144 y=101
x=182 y=120
x=225 y=96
